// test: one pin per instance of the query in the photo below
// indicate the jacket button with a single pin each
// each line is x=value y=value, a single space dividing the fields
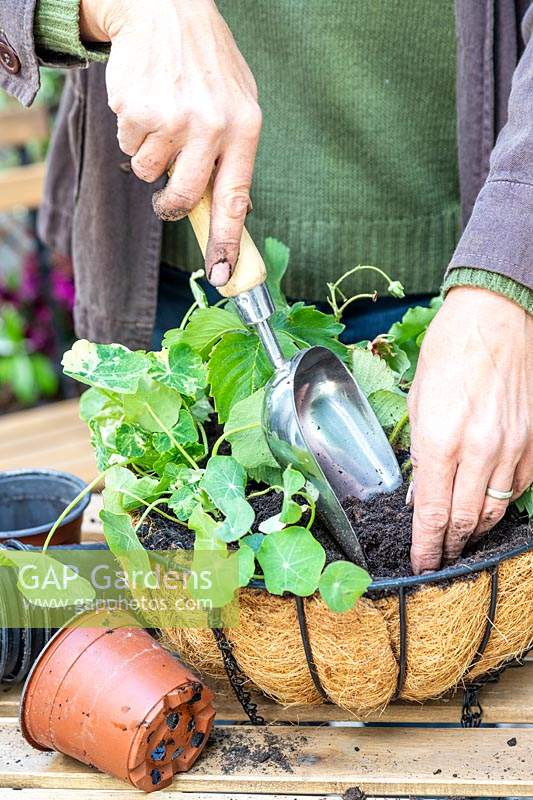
x=9 y=60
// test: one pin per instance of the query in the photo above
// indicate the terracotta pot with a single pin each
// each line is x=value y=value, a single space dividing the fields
x=115 y=699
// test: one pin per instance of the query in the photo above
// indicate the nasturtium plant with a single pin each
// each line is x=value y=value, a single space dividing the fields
x=225 y=483
x=292 y=561
x=342 y=583
x=179 y=367
x=178 y=434
x=293 y=483
x=106 y=366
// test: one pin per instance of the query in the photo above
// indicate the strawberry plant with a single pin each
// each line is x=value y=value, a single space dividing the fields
x=150 y=414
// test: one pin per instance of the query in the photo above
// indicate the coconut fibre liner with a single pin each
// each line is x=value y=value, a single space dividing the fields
x=357 y=653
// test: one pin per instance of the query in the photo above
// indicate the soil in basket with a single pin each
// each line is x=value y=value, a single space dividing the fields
x=383 y=526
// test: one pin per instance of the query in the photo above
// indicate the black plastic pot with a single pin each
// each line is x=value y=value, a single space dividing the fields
x=20 y=647
x=31 y=500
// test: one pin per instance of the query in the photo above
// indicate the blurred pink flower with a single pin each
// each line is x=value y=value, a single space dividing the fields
x=63 y=290
x=40 y=315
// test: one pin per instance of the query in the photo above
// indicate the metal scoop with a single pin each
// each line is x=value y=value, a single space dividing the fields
x=315 y=415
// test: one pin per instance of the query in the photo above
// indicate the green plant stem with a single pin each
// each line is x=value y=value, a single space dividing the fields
x=144 y=503
x=252 y=426
x=334 y=288
x=185 y=319
x=203 y=436
x=170 y=435
x=312 y=510
x=140 y=471
x=164 y=513
x=362 y=296
x=398 y=428
x=148 y=509
x=107 y=394
x=406 y=466
x=262 y=492
x=72 y=506
x=360 y=267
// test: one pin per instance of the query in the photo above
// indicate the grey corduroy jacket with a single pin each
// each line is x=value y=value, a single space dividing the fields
x=101 y=213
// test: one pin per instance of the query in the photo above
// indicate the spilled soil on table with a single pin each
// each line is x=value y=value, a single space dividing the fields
x=235 y=749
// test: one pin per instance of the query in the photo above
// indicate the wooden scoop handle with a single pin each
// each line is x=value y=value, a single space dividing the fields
x=250 y=268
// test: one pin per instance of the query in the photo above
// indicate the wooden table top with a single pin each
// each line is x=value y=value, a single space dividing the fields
x=406 y=757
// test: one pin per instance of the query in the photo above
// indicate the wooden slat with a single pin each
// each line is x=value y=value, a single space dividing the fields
x=20 y=126
x=33 y=420
x=317 y=761
x=118 y=794
x=44 y=439
x=22 y=187
x=133 y=794
x=510 y=701
x=51 y=436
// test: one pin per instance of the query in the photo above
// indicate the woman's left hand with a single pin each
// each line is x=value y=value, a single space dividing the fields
x=471 y=413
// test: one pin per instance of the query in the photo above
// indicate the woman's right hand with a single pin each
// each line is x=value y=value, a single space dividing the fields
x=183 y=94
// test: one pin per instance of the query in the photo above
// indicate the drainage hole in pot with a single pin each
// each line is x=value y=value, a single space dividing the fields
x=156 y=777
x=172 y=720
x=197 y=739
x=191 y=725
x=159 y=752
x=177 y=753
x=197 y=695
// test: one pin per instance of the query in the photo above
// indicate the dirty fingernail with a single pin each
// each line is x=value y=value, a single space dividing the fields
x=220 y=273
x=163 y=212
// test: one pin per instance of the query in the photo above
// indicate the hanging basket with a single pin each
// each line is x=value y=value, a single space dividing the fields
x=410 y=638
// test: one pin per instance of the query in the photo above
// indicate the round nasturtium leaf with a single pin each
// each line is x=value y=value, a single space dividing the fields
x=342 y=584
x=292 y=561
x=105 y=366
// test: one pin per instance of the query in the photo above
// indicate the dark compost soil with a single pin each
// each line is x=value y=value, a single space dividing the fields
x=236 y=749
x=383 y=526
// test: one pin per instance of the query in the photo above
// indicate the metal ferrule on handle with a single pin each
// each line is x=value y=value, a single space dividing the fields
x=255 y=308
x=247 y=284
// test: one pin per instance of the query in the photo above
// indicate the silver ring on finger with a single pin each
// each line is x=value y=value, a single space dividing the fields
x=497 y=495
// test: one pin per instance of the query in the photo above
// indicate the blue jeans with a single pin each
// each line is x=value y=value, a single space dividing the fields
x=366 y=320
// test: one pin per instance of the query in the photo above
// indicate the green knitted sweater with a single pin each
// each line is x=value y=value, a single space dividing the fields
x=358 y=160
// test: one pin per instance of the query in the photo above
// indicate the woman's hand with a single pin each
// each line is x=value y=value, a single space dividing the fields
x=182 y=93
x=471 y=411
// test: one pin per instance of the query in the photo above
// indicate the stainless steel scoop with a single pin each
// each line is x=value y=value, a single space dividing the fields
x=315 y=415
